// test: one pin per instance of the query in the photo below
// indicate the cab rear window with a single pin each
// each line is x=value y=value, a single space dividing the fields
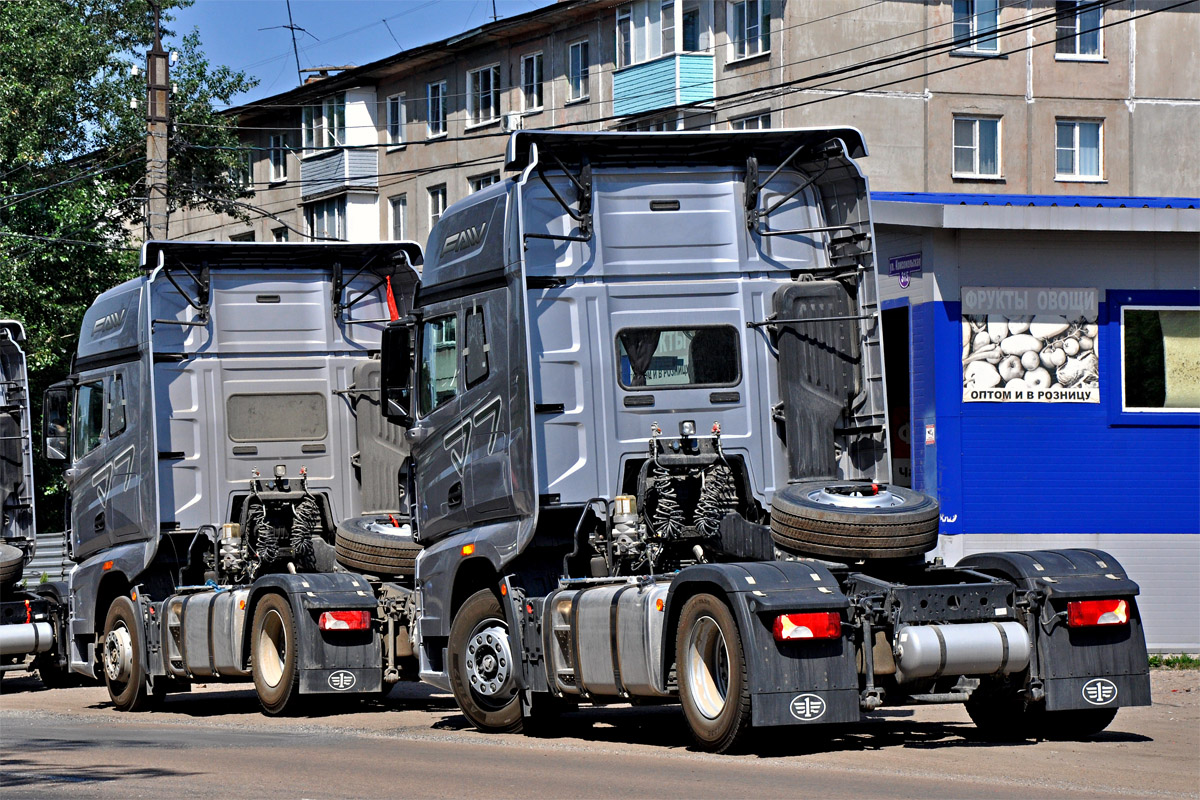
x=673 y=358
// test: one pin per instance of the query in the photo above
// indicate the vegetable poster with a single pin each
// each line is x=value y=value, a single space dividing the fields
x=1030 y=345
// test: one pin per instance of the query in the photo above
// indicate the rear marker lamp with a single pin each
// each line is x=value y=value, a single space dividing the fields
x=814 y=625
x=1089 y=613
x=344 y=620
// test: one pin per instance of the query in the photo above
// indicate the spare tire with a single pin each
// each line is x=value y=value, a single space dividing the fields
x=12 y=560
x=850 y=520
x=377 y=546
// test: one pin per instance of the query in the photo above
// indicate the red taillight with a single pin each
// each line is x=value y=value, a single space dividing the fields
x=814 y=625
x=1086 y=613
x=344 y=620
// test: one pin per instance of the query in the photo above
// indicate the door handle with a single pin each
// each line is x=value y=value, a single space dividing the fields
x=100 y=522
x=454 y=496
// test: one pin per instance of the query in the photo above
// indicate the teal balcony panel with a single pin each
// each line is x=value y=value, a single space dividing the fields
x=663 y=83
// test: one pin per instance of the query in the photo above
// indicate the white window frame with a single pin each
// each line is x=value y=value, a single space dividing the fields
x=753 y=40
x=975 y=40
x=1075 y=39
x=398 y=212
x=479 y=101
x=1076 y=176
x=539 y=67
x=241 y=174
x=397 y=119
x=280 y=234
x=578 y=82
x=1125 y=407
x=745 y=123
x=437 y=203
x=975 y=146
x=431 y=130
x=277 y=157
x=338 y=205
x=477 y=183
x=324 y=124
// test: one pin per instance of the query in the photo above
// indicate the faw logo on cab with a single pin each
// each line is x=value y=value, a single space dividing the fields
x=464 y=240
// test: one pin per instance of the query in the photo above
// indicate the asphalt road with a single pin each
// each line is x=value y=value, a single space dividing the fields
x=414 y=743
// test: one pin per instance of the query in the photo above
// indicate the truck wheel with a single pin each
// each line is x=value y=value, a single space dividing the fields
x=1005 y=716
x=273 y=655
x=711 y=666
x=11 y=562
x=121 y=657
x=849 y=520
x=482 y=668
x=375 y=546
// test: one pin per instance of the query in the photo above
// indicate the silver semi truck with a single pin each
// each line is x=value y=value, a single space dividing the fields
x=642 y=385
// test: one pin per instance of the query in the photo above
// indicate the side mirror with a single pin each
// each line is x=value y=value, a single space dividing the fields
x=395 y=378
x=56 y=419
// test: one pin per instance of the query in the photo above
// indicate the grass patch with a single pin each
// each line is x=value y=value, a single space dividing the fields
x=1176 y=661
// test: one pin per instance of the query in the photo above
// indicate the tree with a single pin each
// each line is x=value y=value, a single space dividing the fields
x=72 y=165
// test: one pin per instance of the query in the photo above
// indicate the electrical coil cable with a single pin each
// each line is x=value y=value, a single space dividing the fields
x=718 y=497
x=667 y=518
x=306 y=521
x=260 y=537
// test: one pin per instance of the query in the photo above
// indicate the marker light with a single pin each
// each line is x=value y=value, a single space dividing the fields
x=813 y=625
x=344 y=620
x=1088 y=613
x=468 y=549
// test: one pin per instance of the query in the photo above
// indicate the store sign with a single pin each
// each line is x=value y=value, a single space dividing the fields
x=904 y=266
x=1030 y=345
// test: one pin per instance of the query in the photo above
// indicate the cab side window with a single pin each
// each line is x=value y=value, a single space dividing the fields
x=89 y=419
x=475 y=355
x=116 y=407
x=439 y=362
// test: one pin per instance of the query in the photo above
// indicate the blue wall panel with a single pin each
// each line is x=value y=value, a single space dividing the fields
x=644 y=87
x=1057 y=468
x=695 y=78
x=924 y=460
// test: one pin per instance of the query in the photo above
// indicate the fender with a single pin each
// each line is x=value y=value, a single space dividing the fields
x=438 y=565
x=128 y=561
x=779 y=673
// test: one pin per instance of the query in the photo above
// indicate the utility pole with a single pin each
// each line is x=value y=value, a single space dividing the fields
x=157 y=122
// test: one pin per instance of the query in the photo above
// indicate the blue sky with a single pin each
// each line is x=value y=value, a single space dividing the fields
x=347 y=32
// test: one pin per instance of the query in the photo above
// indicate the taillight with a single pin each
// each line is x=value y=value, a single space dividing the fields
x=1086 y=613
x=813 y=625
x=344 y=620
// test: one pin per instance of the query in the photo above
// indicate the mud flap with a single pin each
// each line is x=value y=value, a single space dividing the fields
x=1077 y=668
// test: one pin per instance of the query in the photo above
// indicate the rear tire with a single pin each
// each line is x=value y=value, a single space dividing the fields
x=12 y=561
x=711 y=666
x=846 y=520
x=482 y=669
x=1003 y=715
x=121 y=657
x=273 y=646
x=372 y=545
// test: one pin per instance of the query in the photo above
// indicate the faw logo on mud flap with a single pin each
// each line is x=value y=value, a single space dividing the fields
x=465 y=239
x=341 y=680
x=1099 y=691
x=807 y=707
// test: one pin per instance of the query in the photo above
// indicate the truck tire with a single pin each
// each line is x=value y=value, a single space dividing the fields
x=482 y=668
x=1001 y=714
x=273 y=655
x=121 y=657
x=851 y=521
x=377 y=547
x=11 y=562
x=711 y=665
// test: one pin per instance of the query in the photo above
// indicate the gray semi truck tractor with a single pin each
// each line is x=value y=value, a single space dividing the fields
x=642 y=386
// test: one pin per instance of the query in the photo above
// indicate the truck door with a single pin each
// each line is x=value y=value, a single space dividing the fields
x=87 y=480
x=122 y=503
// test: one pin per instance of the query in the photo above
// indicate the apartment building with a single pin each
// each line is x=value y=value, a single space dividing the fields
x=1075 y=97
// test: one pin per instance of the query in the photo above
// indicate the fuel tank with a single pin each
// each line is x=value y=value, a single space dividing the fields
x=203 y=634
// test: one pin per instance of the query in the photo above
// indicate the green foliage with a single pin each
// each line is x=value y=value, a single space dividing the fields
x=72 y=166
x=1176 y=661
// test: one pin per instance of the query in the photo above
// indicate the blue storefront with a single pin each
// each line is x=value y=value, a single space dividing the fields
x=1045 y=352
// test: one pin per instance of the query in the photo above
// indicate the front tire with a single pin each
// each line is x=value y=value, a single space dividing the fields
x=121 y=657
x=711 y=666
x=273 y=646
x=482 y=669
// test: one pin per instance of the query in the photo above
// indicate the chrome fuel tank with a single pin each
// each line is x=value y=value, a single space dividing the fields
x=203 y=634
x=606 y=640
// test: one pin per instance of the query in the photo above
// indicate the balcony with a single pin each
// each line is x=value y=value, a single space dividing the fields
x=665 y=82
x=339 y=170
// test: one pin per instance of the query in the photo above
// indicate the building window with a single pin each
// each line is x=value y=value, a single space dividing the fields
x=483 y=95
x=531 y=82
x=751 y=123
x=1077 y=150
x=1158 y=358
x=483 y=181
x=277 y=148
x=976 y=147
x=437 y=203
x=1078 y=30
x=324 y=123
x=397 y=118
x=435 y=102
x=326 y=219
x=646 y=30
x=241 y=174
x=398 y=207
x=975 y=22
x=749 y=27
x=280 y=234
x=578 y=71
x=247 y=236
